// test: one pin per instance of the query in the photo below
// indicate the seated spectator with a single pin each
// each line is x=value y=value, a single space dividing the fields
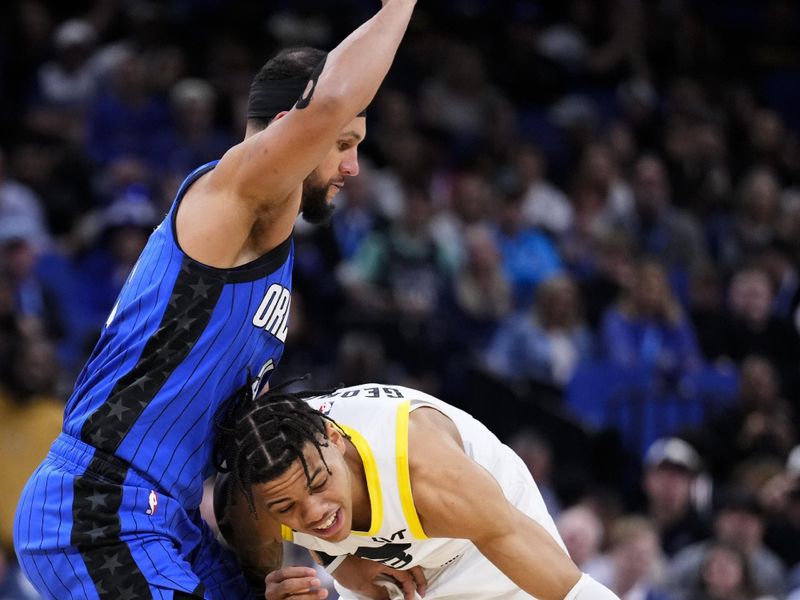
x=537 y=453
x=724 y=575
x=36 y=303
x=545 y=344
x=65 y=85
x=124 y=227
x=632 y=567
x=648 y=328
x=395 y=282
x=583 y=534
x=706 y=308
x=610 y=270
x=474 y=305
x=753 y=226
x=544 y=205
x=781 y=497
x=658 y=227
x=760 y=424
x=670 y=468
x=738 y=521
x=751 y=328
x=30 y=419
x=529 y=257
x=194 y=140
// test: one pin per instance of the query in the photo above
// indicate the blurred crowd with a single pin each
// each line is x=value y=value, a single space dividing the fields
x=578 y=220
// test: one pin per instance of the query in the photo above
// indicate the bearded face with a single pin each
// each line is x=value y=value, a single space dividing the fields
x=316 y=204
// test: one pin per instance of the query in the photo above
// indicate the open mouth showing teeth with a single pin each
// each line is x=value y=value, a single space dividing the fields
x=329 y=523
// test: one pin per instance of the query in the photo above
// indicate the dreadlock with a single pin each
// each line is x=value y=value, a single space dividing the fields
x=258 y=439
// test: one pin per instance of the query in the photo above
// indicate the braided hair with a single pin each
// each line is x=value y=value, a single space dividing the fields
x=258 y=439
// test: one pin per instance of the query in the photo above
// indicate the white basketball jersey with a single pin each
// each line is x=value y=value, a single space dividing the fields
x=376 y=419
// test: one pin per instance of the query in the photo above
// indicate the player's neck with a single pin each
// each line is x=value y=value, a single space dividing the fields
x=362 y=509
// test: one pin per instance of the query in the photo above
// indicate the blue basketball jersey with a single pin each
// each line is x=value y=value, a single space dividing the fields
x=181 y=339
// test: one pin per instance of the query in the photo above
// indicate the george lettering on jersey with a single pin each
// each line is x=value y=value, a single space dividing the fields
x=273 y=312
x=369 y=392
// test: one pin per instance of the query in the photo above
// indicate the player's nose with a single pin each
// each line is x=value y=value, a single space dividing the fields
x=349 y=165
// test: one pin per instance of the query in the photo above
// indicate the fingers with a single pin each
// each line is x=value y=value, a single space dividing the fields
x=411 y=581
x=419 y=578
x=298 y=583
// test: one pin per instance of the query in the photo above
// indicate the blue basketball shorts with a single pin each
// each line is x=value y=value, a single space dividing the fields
x=89 y=527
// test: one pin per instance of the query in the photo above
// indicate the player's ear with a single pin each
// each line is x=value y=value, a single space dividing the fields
x=335 y=436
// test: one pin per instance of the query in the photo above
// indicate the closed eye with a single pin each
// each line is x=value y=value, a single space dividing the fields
x=285 y=510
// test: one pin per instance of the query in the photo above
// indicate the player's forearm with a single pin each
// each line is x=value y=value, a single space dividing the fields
x=356 y=67
x=532 y=559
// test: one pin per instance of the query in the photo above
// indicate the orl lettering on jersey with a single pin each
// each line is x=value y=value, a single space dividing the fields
x=273 y=312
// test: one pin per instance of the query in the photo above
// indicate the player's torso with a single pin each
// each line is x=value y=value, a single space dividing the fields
x=376 y=418
x=180 y=340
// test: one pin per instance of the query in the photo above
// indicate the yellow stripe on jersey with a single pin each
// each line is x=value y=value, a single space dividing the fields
x=287 y=533
x=403 y=474
x=373 y=480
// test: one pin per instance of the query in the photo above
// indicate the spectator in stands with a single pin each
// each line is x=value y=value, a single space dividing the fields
x=657 y=226
x=751 y=327
x=38 y=307
x=706 y=300
x=760 y=424
x=475 y=304
x=547 y=342
x=126 y=119
x=124 y=226
x=537 y=453
x=529 y=257
x=633 y=565
x=583 y=534
x=195 y=138
x=610 y=268
x=670 y=468
x=66 y=85
x=30 y=419
x=781 y=497
x=395 y=282
x=724 y=575
x=544 y=205
x=648 y=328
x=738 y=521
x=752 y=227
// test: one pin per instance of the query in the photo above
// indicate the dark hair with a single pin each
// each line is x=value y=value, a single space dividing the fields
x=258 y=439
x=289 y=63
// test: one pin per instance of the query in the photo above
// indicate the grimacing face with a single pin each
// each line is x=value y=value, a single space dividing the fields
x=322 y=507
x=324 y=182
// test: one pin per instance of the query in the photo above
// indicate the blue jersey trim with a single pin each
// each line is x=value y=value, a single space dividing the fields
x=262 y=266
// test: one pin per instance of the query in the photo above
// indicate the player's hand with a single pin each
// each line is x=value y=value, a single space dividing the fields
x=298 y=583
x=359 y=575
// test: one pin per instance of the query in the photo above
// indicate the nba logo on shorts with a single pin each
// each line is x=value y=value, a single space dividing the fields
x=152 y=500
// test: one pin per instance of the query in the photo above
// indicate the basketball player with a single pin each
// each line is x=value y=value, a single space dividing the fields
x=392 y=475
x=112 y=512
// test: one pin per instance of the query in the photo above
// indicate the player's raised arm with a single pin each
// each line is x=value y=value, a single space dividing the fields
x=513 y=542
x=260 y=178
x=279 y=157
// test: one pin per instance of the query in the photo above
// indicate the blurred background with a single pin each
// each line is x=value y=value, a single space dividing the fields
x=578 y=220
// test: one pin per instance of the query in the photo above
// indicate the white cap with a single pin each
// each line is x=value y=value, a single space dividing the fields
x=74 y=32
x=672 y=451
